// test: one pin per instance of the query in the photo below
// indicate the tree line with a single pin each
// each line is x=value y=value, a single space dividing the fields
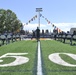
x=9 y=21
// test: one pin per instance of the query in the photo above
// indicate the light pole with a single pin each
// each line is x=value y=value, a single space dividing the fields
x=39 y=10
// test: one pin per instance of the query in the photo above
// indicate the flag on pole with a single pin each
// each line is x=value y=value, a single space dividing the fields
x=26 y=23
x=35 y=16
x=32 y=19
x=40 y=15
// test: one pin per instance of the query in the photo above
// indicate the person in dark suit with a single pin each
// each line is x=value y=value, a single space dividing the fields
x=38 y=33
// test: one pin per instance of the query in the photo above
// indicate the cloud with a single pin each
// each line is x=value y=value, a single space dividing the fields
x=31 y=27
x=63 y=26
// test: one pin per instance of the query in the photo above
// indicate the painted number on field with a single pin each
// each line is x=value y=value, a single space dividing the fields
x=57 y=59
x=19 y=59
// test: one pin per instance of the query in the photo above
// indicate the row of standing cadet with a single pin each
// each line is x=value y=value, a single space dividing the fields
x=8 y=37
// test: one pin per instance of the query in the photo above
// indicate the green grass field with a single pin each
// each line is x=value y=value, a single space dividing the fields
x=49 y=68
x=28 y=68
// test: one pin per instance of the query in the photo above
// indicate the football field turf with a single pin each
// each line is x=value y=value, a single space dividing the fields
x=50 y=68
x=12 y=58
x=20 y=48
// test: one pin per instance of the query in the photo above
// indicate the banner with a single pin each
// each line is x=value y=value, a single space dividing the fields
x=45 y=18
x=32 y=19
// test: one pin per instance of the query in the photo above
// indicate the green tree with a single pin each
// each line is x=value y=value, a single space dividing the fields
x=9 y=21
x=2 y=19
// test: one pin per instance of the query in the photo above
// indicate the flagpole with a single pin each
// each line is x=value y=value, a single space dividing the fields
x=39 y=10
x=39 y=20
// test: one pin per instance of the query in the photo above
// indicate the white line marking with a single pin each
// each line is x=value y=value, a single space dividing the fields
x=39 y=64
x=58 y=60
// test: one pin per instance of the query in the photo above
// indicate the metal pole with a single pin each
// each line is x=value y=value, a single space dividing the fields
x=39 y=20
x=38 y=10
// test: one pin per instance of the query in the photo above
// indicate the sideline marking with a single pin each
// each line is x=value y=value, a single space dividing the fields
x=39 y=64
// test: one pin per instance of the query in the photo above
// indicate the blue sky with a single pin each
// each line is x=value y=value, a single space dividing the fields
x=60 y=12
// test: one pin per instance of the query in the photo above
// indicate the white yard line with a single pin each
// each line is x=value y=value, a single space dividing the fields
x=39 y=64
